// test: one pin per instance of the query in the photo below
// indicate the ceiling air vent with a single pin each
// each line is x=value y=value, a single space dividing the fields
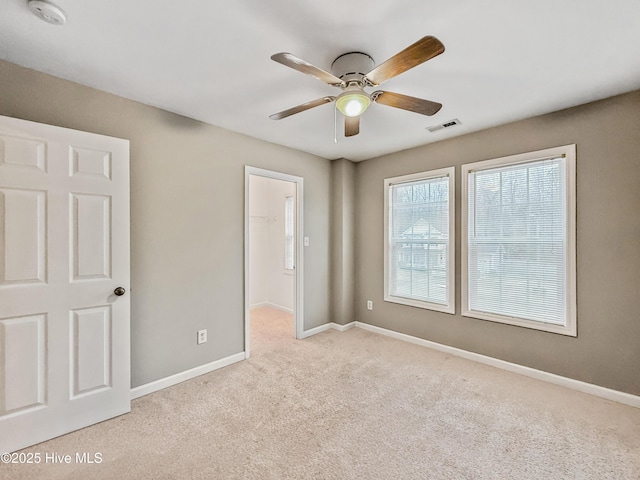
x=449 y=124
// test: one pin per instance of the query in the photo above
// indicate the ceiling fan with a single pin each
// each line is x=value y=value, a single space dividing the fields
x=348 y=75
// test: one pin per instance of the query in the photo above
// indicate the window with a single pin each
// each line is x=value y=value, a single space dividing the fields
x=289 y=224
x=419 y=223
x=518 y=240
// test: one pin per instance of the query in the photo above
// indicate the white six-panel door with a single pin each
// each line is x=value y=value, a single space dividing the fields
x=64 y=249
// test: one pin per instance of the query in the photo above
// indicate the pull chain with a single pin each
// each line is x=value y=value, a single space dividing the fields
x=335 y=125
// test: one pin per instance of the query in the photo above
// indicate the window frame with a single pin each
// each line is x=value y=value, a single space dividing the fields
x=569 y=154
x=289 y=240
x=450 y=306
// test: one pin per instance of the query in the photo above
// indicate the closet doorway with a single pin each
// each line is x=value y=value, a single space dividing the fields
x=273 y=251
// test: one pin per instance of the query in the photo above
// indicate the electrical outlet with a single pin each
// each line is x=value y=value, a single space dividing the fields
x=369 y=305
x=202 y=336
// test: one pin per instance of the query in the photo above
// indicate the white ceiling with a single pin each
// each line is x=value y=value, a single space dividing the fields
x=210 y=60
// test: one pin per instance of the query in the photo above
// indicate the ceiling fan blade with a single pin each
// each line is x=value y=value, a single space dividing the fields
x=412 y=56
x=298 y=64
x=413 y=104
x=351 y=126
x=301 y=108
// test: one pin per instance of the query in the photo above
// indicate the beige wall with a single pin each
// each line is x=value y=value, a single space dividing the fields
x=607 y=349
x=342 y=236
x=187 y=218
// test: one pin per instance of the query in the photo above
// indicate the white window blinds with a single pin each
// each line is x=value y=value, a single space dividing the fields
x=419 y=230
x=518 y=246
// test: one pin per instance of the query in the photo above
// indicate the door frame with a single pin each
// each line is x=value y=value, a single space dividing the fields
x=299 y=270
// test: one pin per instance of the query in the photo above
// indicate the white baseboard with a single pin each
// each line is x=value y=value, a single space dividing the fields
x=316 y=330
x=328 y=326
x=598 y=391
x=279 y=307
x=272 y=305
x=343 y=328
x=151 y=387
x=589 y=388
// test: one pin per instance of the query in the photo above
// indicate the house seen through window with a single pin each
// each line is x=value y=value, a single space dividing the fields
x=419 y=226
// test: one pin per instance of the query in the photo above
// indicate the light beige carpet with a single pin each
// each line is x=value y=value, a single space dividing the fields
x=354 y=405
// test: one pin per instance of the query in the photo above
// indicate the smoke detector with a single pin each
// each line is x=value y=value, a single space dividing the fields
x=48 y=12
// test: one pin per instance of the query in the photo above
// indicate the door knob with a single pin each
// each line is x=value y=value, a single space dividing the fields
x=119 y=291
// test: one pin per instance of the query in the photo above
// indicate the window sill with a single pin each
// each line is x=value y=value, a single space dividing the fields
x=568 y=330
x=437 y=307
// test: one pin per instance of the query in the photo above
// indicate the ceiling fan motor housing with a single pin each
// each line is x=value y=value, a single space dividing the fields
x=352 y=66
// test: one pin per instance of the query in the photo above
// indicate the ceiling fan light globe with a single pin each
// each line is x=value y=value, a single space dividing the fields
x=352 y=104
